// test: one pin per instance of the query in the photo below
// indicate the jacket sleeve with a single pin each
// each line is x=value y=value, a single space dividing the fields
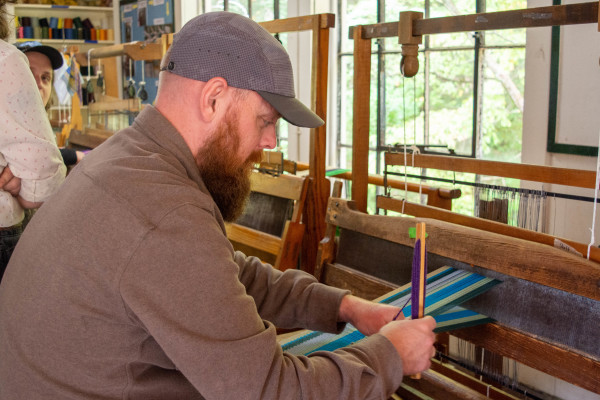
x=290 y=299
x=184 y=285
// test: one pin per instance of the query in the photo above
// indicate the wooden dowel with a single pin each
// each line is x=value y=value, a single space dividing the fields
x=528 y=172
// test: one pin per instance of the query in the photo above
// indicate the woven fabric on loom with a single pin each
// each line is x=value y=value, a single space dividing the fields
x=446 y=289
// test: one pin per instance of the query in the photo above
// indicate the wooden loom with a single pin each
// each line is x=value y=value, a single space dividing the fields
x=373 y=258
x=318 y=193
x=317 y=187
x=580 y=367
x=409 y=30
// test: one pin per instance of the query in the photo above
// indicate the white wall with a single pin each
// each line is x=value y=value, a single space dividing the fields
x=572 y=220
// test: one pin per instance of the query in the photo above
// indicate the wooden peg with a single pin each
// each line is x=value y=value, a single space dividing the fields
x=409 y=65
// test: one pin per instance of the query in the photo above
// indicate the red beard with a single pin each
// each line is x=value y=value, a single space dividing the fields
x=225 y=176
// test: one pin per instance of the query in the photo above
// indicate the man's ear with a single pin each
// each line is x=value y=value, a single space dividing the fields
x=212 y=98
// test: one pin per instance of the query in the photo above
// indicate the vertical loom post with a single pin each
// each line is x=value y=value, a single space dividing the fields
x=419 y=272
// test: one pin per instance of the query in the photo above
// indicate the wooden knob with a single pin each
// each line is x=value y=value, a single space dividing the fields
x=409 y=65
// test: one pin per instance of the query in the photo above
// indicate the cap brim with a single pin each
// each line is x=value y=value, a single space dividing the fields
x=56 y=59
x=292 y=110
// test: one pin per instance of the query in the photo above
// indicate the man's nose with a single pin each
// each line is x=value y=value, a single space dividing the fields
x=269 y=139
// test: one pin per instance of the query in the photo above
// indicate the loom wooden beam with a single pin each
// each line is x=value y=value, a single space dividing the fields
x=529 y=172
x=314 y=217
x=251 y=237
x=436 y=196
x=327 y=245
x=511 y=256
x=314 y=213
x=418 y=210
x=361 y=111
x=360 y=284
x=297 y=24
x=554 y=360
x=135 y=50
x=567 y=14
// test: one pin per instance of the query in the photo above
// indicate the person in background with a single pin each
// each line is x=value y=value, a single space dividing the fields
x=43 y=60
x=33 y=168
x=134 y=290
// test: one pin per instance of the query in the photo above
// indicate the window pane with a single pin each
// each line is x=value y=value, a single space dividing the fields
x=502 y=117
x=506 y=37
x=451 y=100
x=403 y=104
x=355 y=12
x=262 y=10
x=503 y=5
x=215 y=5
x=346 y=101
x=447 y=8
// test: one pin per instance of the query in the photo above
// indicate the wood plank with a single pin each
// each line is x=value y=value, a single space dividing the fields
x=419 y=210
x=567 y=14
x=318 y=194
x=360 y=284
x=360 y=119
x=529 y=172
x=507 y=255
x=287 y=258
x=253 y=238
x=132 y=105
x=542 y=356
x=297 y=24
x=286 y=186
x=378 y=180
x=135 y=50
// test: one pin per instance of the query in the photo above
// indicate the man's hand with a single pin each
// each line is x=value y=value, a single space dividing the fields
x=366 y=316
x=413 y=340
x=10 y=183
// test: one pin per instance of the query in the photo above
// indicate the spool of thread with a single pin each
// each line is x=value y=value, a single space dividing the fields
x=80 y=34
x=20 y=32
x=44 y=32
x=110 y=34
x=93 y=34
x=53 y=22
x=28 y=32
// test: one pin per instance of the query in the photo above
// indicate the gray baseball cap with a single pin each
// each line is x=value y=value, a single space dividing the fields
x=247 y=56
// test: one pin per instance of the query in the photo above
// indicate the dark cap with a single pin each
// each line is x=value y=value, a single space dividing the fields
x=56 y=59
x=247 y=56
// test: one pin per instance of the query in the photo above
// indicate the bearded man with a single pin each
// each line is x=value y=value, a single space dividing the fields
x=124 y=285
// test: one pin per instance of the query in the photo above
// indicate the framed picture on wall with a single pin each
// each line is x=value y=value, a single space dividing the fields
x=574 y=102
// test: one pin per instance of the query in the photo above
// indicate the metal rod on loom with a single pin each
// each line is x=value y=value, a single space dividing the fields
x=484 y=185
